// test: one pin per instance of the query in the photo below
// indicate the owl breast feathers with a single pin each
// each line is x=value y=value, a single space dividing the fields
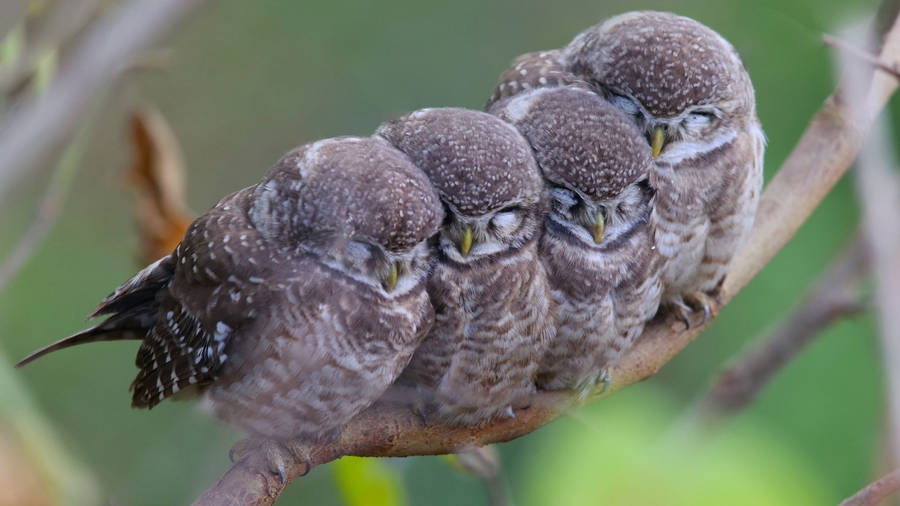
x=460 y=260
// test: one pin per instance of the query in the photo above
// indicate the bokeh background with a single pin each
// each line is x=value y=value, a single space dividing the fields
x=249 y=80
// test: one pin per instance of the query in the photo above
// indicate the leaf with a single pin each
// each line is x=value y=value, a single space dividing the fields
x=368 y=482
x=157 y=175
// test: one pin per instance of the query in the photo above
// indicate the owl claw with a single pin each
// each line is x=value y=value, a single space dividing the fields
x=510 y=413
x=682 y=308
x=701 y=301
x=271 y=456
x=420 y=410
x=603 y=378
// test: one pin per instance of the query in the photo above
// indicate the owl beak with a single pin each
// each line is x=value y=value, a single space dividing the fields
x=465 y=243
x=597 y=228
x=657 y=139
x=391 y=280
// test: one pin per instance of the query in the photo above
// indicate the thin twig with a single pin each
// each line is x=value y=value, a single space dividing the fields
x=48 y=209
x=36 y=129
x=875 y=492
x=892 y=69
x=484 y=463
x=835 y=296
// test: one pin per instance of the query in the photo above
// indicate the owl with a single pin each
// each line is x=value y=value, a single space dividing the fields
x=532 y=70
x=597 y=245
x=686 y=88
x=488 y=287
x=290 y=305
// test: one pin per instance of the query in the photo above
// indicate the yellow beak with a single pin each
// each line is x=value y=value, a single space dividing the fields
x=657 y=139
x=597 y=229
x=465 y=243
x=391 y=280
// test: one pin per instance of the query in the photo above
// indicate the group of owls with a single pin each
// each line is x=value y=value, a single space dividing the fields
x=461 y=260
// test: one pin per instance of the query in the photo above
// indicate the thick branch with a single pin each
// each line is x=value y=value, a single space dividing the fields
x=835 y=296
x=876 y=491
x=822 y=155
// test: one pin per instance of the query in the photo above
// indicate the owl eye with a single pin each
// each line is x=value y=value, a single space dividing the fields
x=700 y=119
x=505 y=218
x=359 y=250
x=625 y=104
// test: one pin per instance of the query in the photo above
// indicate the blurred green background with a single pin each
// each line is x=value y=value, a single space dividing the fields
x=250 y=80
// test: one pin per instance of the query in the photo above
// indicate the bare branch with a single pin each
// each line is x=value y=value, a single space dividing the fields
x=47 y=211
x=865 y=56
x=483 y=462
x=875 y=492
x=835 y=296
x=37 y=128
x=878 y=184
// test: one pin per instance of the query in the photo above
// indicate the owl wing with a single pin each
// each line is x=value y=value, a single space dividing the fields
x=220 y=272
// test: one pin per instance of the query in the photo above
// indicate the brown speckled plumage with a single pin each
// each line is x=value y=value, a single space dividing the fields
x=540 y=69
x=596 y=160
x=274 y=303
x=673 y=73
x=492 y=306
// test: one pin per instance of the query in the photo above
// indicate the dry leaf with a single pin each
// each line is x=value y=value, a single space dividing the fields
x=157 y=174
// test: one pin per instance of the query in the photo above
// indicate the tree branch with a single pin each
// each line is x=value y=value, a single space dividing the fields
x=875 y=492
x=822 y=155
x=835 y=296
x=31 y=132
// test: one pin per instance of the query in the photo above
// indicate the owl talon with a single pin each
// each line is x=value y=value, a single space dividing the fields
x=701 y=301
x=309 y=466
x=272 y=457
x=510 y=413
x=420 y=410
x=603 y=378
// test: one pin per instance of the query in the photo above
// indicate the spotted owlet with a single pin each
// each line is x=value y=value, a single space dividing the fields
x=686 y=88
x=292 y=304
x=597 y=244
x=488 y=288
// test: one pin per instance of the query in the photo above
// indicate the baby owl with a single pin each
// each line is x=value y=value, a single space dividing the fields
x=292 y=304
x=686 y=88
x=488 y=288
x=597 y=244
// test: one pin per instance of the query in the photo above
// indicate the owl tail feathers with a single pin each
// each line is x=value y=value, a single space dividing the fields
x=138 y=290
x=133 y=307
x=118 y=328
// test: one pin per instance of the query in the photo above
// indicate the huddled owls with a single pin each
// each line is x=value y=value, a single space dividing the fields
x=459 y=260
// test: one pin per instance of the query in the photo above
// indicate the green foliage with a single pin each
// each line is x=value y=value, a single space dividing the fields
x=634 y=456
x=367 y=482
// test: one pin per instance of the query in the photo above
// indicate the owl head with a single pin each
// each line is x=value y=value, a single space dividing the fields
x=678 y=79
x=357 y=204
x=485 y=175
x=540 y=69
x=594 y=158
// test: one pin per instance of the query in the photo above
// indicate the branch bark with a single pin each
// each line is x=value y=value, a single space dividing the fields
x=835 y=296
x=824 y=152
x=876 y=491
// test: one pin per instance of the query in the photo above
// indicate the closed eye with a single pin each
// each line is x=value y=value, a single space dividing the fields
x=699 y=120
x=505 y=218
